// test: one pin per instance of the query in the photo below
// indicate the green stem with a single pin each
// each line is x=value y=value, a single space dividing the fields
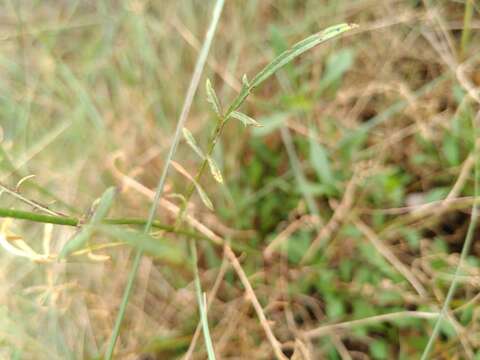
x=467 y=24
x=296 y=50
x=465 y=250
x=199 y=66
x=201 y=303
x=71 y=221
x=123 y=306
x=213 y=141
x=37 y=217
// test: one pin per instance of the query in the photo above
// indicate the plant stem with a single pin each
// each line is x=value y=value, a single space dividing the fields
x=465 y=250
x=71 y=221
x=467 y=23
x=202 y=305
x=183 y=117
x=32 y=203
x=287 y=56
x=37 y=217
x=215 y=136
x=281 y=60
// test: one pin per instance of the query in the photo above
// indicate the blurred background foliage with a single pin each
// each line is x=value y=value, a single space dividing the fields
x=359 y=134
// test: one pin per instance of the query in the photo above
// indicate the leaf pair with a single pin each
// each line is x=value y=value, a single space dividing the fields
x=217 y=107
x=216 y=173
x=203 y=195
x=281 y=60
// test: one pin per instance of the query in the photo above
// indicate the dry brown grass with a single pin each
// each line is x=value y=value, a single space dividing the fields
x=89 y=94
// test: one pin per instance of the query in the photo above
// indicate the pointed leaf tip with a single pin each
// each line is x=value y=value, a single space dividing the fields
x=298 y=49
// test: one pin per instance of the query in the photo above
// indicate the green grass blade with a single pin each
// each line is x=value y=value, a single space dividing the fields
x=202 y=304
x=79 y=240
x=283 y=59
x=465 y=250
x=158 y=248
x=320 y=161
x=467 y=25
x=298 y=49
x=203 y=196
x=104 y=205
x=161 y=183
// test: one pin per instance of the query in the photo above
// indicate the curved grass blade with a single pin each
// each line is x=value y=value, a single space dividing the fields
x=202 y=304
x=283 y=59
x=79 y=240
x=104 y=205
x=159 y=248
x=298 y=49
x=200 y=64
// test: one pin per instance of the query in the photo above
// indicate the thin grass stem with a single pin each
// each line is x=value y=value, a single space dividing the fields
x=281 y=60
x=72 y=221
x=465 y=250
x=202 y=304
x=192 y=89
x=467 y=25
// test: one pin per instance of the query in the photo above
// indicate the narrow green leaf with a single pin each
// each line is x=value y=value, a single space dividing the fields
x=160 y=248
x=201 y=192
x=191 y=142
x=77 y=242
x=202 y=304
x=203 y=195
x=104 y=205
x=86 y=232
x=298 y=49
x=213 y=99
x=245 y=119
x=451 y=149
x=216 y=173
x=337 y=65
x=320 y=162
